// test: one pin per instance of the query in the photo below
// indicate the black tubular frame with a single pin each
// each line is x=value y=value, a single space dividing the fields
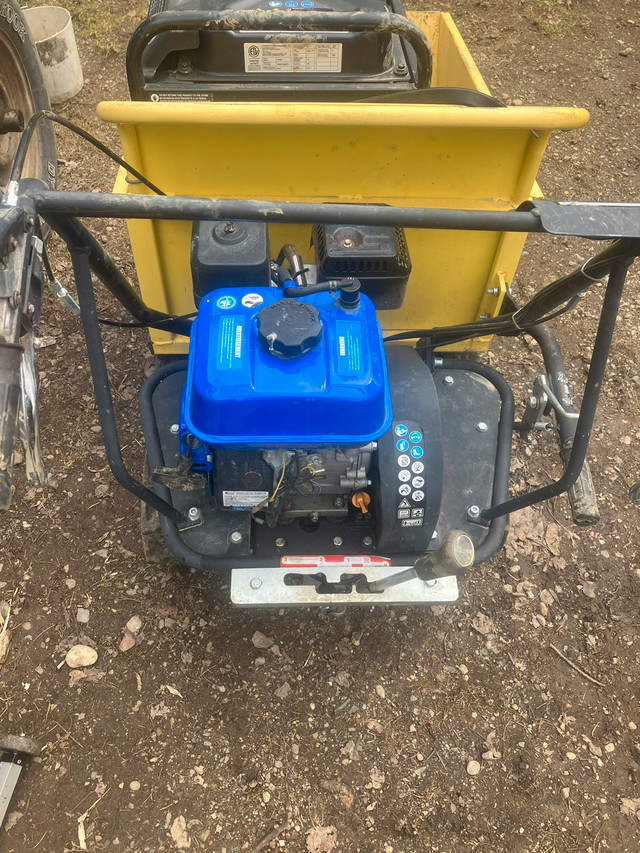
x=104 y=400
x=282 y=22
x=599 y=358
x=582 y=496
x=61 y=208
x=97 y=205
x=74 y=233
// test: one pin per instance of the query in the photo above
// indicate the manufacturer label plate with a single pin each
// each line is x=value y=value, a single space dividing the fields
x=248 y=499
x=292 y=58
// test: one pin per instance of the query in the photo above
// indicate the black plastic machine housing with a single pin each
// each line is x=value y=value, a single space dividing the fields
x=376 y=255
x=229 y=254
x=205 y=65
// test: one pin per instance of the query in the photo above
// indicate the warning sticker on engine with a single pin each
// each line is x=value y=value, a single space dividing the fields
x=350 y=349
x=230 y=336
x=248 y=499
x=292 y=58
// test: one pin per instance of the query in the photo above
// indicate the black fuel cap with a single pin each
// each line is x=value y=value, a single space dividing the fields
x=289 y=328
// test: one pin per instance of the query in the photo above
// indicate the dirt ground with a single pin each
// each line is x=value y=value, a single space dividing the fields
x=351 y=729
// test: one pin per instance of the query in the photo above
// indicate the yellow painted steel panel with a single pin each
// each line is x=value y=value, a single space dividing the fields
x=398 y=154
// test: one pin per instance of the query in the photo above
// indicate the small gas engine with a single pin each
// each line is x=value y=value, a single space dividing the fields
x=287 y=412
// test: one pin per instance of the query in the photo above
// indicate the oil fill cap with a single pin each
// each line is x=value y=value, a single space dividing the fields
x=289 y=328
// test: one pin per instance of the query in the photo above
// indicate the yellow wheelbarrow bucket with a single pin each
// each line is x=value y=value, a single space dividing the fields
x=412 y=155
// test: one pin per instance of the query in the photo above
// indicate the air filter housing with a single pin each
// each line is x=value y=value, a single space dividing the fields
x=376 y=255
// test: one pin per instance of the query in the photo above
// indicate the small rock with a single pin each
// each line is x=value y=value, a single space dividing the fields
x=11 y=820
x=70 y=582
x=80 y=655
x=610 y=747
x=565 y=793
x=352 y=750
x=588 y=589
x=284 y=690
x=627 y=51
x=83 y=615
x=134 y=624
x=473 y=768
x=179 y=834
x=482 y=624
x=266 y=796
x=546 y=597
x=381 y=691
x=595 y=750
x=75 y=676
x=128 y=641
x=571 y=756
x=135 y=786
x=261 y=641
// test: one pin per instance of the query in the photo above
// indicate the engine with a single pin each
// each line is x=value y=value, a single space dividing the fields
x=285 y=398
x=294 y=414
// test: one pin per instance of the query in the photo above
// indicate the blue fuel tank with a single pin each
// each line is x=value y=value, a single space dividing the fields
x=267 y=371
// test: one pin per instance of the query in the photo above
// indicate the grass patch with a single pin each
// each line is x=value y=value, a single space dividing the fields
x=552 y=17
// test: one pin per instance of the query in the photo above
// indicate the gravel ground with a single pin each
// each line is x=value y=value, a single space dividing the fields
x=506 y=723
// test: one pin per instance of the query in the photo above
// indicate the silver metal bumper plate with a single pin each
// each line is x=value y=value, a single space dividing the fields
x=262 y=587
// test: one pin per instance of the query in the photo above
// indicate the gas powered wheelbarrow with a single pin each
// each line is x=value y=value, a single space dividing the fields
x=314 y=428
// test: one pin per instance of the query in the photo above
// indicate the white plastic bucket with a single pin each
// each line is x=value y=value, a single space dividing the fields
x=52 y=31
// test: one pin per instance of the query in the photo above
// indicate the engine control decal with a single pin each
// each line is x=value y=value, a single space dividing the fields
x=411 y=488
x=350 y=356
x=244 y=499
x=226 y=302
x=230 y=338
x=251 y=299
x=292 y=58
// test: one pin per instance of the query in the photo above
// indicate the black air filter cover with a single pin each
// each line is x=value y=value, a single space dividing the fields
x=377 y=255
x=229 y=254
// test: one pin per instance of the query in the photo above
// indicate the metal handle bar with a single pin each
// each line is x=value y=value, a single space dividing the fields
x=258 y=19
x=10 y=355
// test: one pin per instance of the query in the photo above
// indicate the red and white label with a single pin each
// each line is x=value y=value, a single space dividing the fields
x=334 y=561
